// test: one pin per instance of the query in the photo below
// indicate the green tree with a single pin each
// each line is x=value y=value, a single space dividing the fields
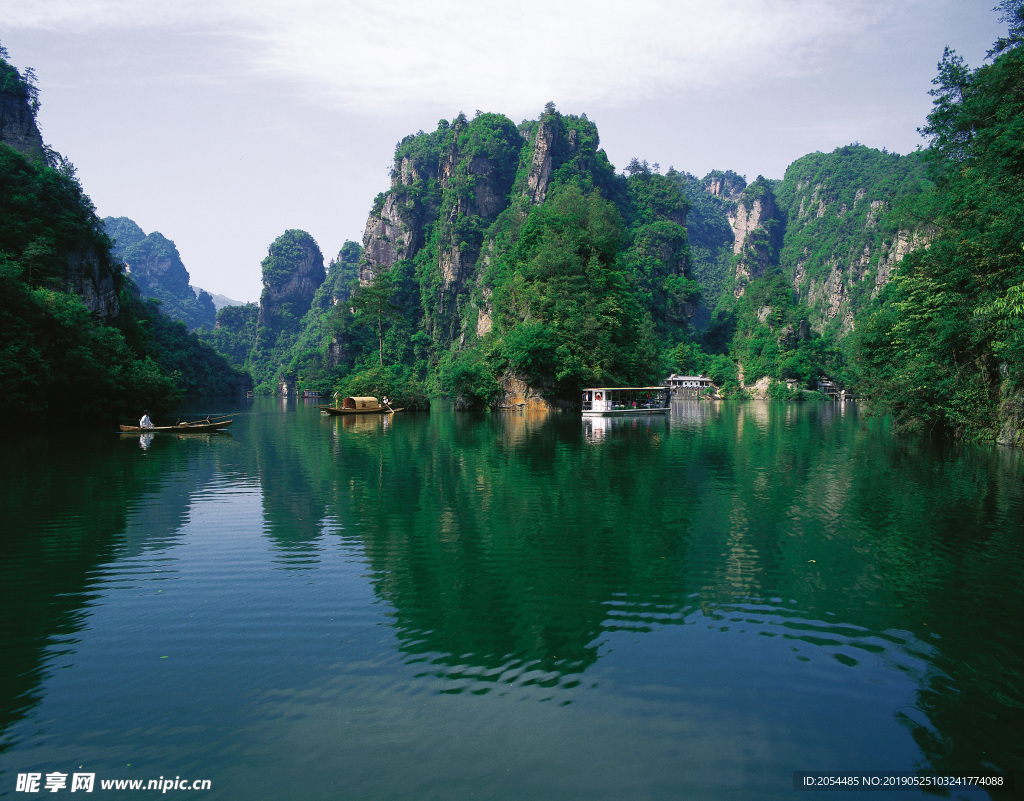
x=567 y=311
x=372 y=301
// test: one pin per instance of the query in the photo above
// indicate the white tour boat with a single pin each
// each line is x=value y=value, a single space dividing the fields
x=621 y=401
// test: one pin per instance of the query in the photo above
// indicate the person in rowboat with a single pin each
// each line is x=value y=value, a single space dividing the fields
x=145 y=422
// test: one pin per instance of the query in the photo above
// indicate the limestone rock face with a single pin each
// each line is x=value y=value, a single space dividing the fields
x=755 y=215
x=518 y=394
x=749 y=218
x=1011 y=418
x=453 y=188
x=18 y=127
x=541 y=162
x=387 y=237
x=832 y=295
x=88 y=278
x=724 y=186
x=845 y=233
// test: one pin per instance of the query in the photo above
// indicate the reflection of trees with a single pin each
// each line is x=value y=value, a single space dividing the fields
x=66 y=506
x=506 y=543
x=512 y=536
x=499 y=541
x=949 y=540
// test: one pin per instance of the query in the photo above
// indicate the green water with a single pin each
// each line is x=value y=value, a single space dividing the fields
x=449 y=606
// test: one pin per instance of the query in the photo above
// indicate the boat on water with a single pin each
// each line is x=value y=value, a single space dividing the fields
x=360 y=405
x=624 y=401
x=197 y=427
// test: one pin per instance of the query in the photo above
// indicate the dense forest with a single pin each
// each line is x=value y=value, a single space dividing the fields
x=511 y=264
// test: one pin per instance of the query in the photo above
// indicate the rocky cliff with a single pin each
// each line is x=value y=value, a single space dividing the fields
x=847 y=228
x=515 y=256
x=755 y=224
x=836 y=226
x=451 y=186
x=90 y=277
x=18 y=105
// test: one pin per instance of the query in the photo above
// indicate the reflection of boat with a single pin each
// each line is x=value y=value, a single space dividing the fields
x=198 y=427
x=647 y=427
x=621 y=401
x=360 y=405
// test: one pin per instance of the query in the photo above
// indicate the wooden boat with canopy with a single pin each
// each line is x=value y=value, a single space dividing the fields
x=360 y=405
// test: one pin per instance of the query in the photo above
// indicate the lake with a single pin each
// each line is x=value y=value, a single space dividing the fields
x=707 y=605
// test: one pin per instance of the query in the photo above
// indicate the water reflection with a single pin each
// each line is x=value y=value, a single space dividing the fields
x=693 y=413
x=597 y=429
x=780 y=553
x=363 y=423
x=495 y=576
x=71 y=508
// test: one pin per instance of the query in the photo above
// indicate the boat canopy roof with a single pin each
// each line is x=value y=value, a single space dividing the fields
x=360 y=402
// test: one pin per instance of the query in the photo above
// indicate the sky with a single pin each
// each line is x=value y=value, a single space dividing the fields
x=223 y=123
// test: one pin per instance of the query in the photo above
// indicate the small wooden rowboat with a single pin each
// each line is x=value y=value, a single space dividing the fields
x=360 y=405
x=198 y=427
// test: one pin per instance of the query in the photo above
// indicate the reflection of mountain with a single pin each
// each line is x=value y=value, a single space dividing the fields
x=477 y=533
x=511 y=548
x=70 y=507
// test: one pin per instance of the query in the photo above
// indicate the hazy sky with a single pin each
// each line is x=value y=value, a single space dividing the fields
x=223 y=123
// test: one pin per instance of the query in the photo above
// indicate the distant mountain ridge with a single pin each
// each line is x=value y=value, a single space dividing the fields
x=154 y=264
x=219 y=301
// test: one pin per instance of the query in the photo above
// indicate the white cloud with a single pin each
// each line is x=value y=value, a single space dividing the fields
x=370 y=57
x=517 y=56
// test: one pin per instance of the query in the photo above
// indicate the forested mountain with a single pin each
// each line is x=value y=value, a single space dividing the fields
x=945 y=348
x=512 y=263
x=155 y=265
x=286 y=341
x=508 y=261
x=899 y=276
x=785 y=267
x=505 y=261
x=77 y=345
